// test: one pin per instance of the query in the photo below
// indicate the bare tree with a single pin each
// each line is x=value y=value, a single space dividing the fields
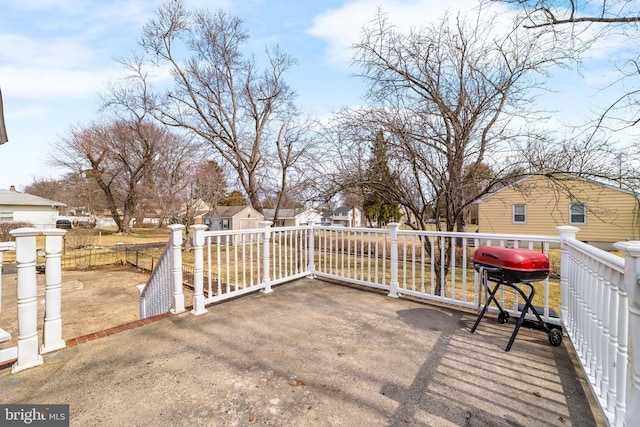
x=51 y=189
x=446 y=97
x=167 y=181
x=210 y=183
x=74 y=189
x=219 y=94
x=118 y=156
x=286 y=175
x=581 y=25
x=172 y=180
x=545 y=13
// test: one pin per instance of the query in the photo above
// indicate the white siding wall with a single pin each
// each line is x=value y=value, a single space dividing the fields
x=39 y=216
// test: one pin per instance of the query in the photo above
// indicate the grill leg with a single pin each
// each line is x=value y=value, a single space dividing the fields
x=528 y=304
x=484 y=309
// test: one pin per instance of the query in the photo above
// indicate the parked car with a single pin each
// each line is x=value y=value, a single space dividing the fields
x=65 y=224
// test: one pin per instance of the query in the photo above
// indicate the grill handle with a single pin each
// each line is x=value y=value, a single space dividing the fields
x=489 y=254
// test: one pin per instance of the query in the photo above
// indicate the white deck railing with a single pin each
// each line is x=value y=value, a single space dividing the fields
x=239 y=262
x=163 y=291
x=593 y=294
x=601 y=315
x=436 y=266
x=27 y=351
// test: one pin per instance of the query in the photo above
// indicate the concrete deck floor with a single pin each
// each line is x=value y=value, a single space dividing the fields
x=313 y=353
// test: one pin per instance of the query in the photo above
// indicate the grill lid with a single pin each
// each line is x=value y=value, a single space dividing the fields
x=514 y=265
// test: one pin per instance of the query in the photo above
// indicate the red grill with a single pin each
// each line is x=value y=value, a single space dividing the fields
x=512 y=265
x=513 y=268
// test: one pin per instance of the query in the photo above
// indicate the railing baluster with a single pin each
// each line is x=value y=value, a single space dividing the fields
x=52 y=330
x=377 y=267
x=605 y=306
x=422 y=262
x=218 y=259
x=464 y=269
x=209 y=281
x=452 y=268
x=413 y=263
x=348 y=234
x=432 y=257
x=404 y=262
x=266 y=278
x=442 y=266
x=631 y=290
x=393 y=283
x=243 y=243
x=311 y=263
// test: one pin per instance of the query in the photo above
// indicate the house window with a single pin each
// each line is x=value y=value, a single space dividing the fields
x=519 y=214
x=224 y=224
x=6 y=216
x=577 y=213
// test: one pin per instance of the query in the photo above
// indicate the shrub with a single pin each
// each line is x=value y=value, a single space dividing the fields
x=79 y=238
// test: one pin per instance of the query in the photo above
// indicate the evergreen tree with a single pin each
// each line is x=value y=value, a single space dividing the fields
x=379 y=206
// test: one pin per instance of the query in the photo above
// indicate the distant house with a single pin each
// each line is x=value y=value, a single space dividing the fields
x=344 y=216
x=41 y=213
x=233 y=218
x=197 y=209
x=292 y=217
x=537 y=205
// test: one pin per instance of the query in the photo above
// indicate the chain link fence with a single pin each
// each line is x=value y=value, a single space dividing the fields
x=143 y=257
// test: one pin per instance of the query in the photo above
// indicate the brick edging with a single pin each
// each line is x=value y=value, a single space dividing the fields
x=110 y=331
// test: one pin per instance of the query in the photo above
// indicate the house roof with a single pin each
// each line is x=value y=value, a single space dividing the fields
x=343 y=209
x=559 y=177
x=11 y=197
x=230 y=211
x=283 y=213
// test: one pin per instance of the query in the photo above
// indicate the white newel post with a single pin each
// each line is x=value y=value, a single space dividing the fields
x=27 y=351
x=631 y=251
x=566 y=232
x=266 y=257
x=177 y=303
x=11 y=352
x=198 y=269
x=393 y=284
x=311 y=266
x=53 y=291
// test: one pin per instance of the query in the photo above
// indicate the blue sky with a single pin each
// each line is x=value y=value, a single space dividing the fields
x=57 y=55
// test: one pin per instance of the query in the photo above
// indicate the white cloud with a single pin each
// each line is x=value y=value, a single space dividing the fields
x=342 y=27
x=71 y=50
x=32 y=112
x=40 y=83
x=46 y=4
x=21 y=51
x=63 y=66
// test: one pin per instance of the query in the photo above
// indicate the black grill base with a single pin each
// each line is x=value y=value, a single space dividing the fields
x=555 y=334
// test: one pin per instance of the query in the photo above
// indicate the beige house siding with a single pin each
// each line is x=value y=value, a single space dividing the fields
x=612 y=214
x=235 y=218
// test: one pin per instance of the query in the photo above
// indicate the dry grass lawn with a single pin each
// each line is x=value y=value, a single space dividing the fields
x=83 y=238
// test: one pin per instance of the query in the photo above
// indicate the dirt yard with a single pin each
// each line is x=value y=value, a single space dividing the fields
x=92 y=300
